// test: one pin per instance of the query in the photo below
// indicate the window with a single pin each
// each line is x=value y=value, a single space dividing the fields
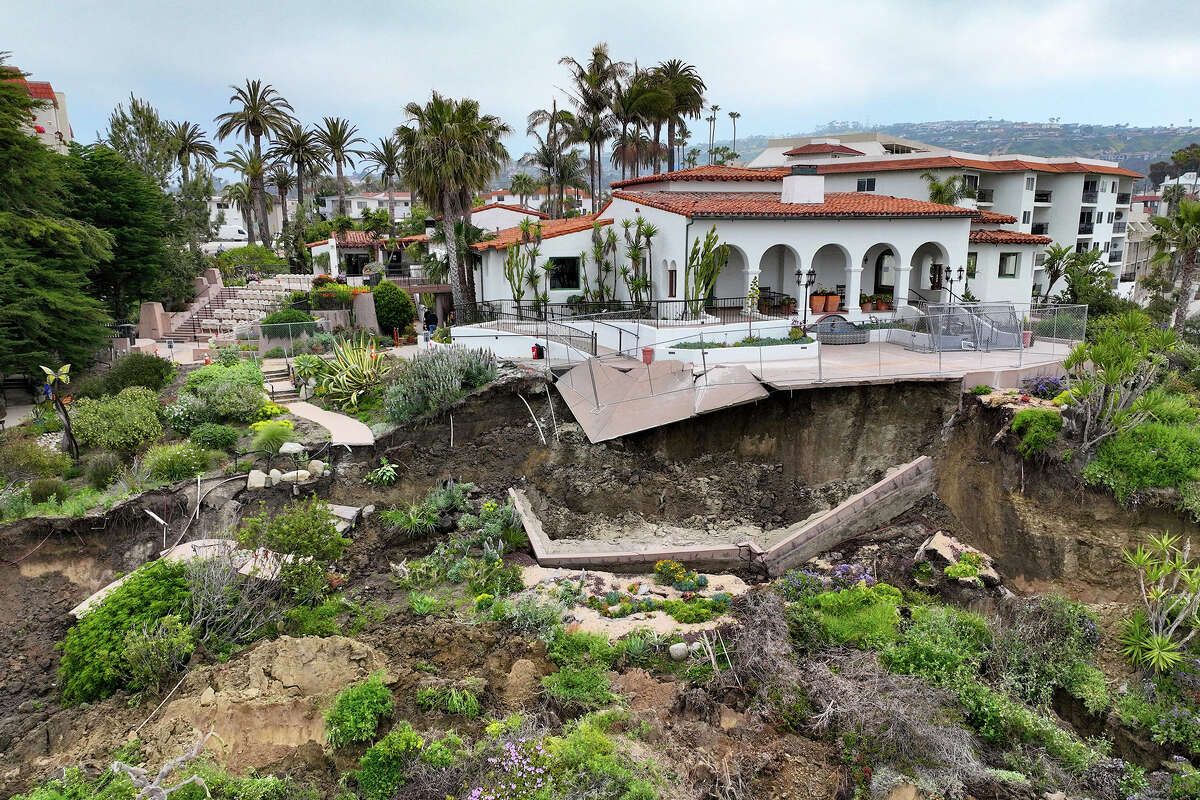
x=1030 y=182
x=971 y=182
x=972 y=264
x=866 y=185
x=223 y=206
x=1026 y=217
x=564 y=272
x=360 y=204
x=1106 y=246
x=1114 y=187
x=1009 y=264
x=671 y=282
x=1110 y=216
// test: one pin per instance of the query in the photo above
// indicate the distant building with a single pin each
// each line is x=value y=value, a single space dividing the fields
x=50 y=123
x=807 y=149
x=356 y=204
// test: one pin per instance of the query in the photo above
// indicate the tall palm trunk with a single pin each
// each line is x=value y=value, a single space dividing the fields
x=259 y=190
x=671 y=144
x=183 y=173
x=453 y=274
x=735 y=134
x=657 y=139
x=1187 y=276
x=283 y=225
x=249 y=223
x=468 y=272
x=341 y=183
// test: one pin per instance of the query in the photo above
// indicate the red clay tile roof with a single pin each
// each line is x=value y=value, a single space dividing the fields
x=709 y=173
x=540 y=190
x=813 y=149
x=38 y=90
x=992 y=236
x=550 y=229
x=363 y=239
x=1146 y=198
x=507 y=207
x=994 y=218
x=768 y=204
x=942 y=162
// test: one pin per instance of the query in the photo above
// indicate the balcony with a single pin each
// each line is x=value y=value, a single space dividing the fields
x=1042 y=197
x=1119 y=228
x=1115 y=256
x=1039 y=259
x=1090 y=197
x=1040 y=229
x=1086 y=227
x=1128 y=277
x=1123 y=198
x=985 y=197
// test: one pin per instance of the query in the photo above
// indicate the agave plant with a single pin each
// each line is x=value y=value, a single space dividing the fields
x=356 y=368
x=1155 y=637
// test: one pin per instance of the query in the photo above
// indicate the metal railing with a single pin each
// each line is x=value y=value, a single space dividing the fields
x=771 y=305
x=1043 y=196
x=1123 y=198
x=1116 y=256
x=985 y=196
x=1040 y=228
x=1090 y=197
x=1086 y=227
x=1119 y=227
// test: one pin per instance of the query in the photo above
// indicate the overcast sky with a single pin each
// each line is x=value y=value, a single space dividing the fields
x=785 y=66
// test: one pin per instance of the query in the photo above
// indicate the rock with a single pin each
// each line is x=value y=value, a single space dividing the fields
x=257 y=479
x=291 y=449
x=614 y=609
x=275 y=475
x=368 y=511
x=695 y=647
x=208 y=696
x=523 y=684
x=316 y=467
x=295 y=476
x=678 y=651
x=905 y=791
x=731 y=719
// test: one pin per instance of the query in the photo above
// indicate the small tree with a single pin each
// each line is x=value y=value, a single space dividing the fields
x=55 y=379
x=394 y=309
x=638 y=236
x=1170 y=589
x=704 y=266
x=1058 y=258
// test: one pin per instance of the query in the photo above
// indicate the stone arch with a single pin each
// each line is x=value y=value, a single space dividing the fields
x=923 y=259
x=777 y=269
x=734 y=279
x=830 y=262
x=879 y=264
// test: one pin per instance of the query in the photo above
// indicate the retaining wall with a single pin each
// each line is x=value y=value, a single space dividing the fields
x=869 y=509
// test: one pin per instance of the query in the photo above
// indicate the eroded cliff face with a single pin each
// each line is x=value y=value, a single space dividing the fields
x=1044 y=528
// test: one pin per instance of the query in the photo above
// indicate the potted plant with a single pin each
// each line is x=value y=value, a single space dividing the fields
x=816 y=300
x=789 y=304
x=832 y=300
x=865 y=302
x=883 y=302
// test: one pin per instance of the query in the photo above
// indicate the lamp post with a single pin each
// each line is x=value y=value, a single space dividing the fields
x=950 y=277
x=806 y=279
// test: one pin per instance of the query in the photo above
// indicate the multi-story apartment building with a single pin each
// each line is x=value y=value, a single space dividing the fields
x=50 y=123
x=1084 y=203
x=356 y=204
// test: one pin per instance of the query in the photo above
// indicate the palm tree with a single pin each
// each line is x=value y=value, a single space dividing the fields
x=948 y=192
x=595 y=83
x=263 y=112
x=190 y=142
x=338 y=137
x=550 y=147
x=522 y=185
x=712 y=129
x=1177 y=242
x=253 y=170
x=687 y=91
x=282 y=179
x=1058 y=258
x=734 y=116
x=303 y=149
x=449 y=150
x=240 y=197
x=385 y=155
x=1171 y=195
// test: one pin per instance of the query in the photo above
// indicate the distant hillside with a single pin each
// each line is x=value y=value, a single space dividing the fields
x=1134 y=148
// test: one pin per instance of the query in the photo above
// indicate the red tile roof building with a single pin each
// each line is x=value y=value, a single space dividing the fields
x=768 y=204
x=549 y=230
x=822 y=149
x=993 y=236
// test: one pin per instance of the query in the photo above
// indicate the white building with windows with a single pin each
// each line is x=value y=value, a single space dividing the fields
x=576 y=199
x=51 y=123
x=232 y=227
x=366 y=201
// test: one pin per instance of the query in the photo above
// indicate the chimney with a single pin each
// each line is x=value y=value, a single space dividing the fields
x=804 y=185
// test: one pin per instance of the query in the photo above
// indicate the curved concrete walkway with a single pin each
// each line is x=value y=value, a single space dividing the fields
x=342 y=429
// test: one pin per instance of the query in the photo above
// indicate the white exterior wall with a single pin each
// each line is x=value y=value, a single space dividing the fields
x=496 y=219
x=491 y=284
x=987 y=284
x=57 y=124
x=357 y=203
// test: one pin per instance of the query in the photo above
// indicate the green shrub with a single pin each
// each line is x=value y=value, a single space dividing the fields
x=394 y=308
x=357 y=712
x=421 y=604
x=1152 y=455
x=1038 y=429
x=271 y=435
x=451 y=699
x=250 y=258
x=233 y=400
x=384 y=767
x=1087 y=683
x=186 y=413
x=102 y=470
x=138 y=369
x=154 y=652
x=275 y=352
x=43 y=489
x=211 y=374
x=581 y=648
x=93 y=665
x=122 y=423
x=211 y=436
x=1039 y=644
x=91 y=386
x=805 y=629
x=430 y=381
x=304 y=528
x=981 y=389
x=967 y=566
x=443 y=752
x=863 y=616
x=318 y=620
x=288 y=323
x=579 y=687
x=450 y=499
x=25 y=458
x=414 y=521
x=938 y=644
x=172 y=463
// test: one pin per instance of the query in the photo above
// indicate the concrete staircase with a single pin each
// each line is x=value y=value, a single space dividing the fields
x=189 y=329
x=278 y=384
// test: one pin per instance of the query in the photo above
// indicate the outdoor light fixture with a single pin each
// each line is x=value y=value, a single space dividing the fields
x=951 y=276
x=810 y=278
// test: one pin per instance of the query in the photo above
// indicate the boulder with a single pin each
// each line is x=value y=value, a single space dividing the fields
x=295 y=476
x=678 y=651
x=208 y=696
x=316 y=467
x=291 y=449
x=275 y=475
x=257 y=479
x=941 y=550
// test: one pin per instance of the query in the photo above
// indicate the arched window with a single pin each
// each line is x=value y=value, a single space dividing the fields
x=885 y=271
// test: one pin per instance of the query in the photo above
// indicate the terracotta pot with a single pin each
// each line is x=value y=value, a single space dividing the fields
x=865 y=307
x=816 y=303
x=832 y=302
x=883 y=305
x=1026 y=338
